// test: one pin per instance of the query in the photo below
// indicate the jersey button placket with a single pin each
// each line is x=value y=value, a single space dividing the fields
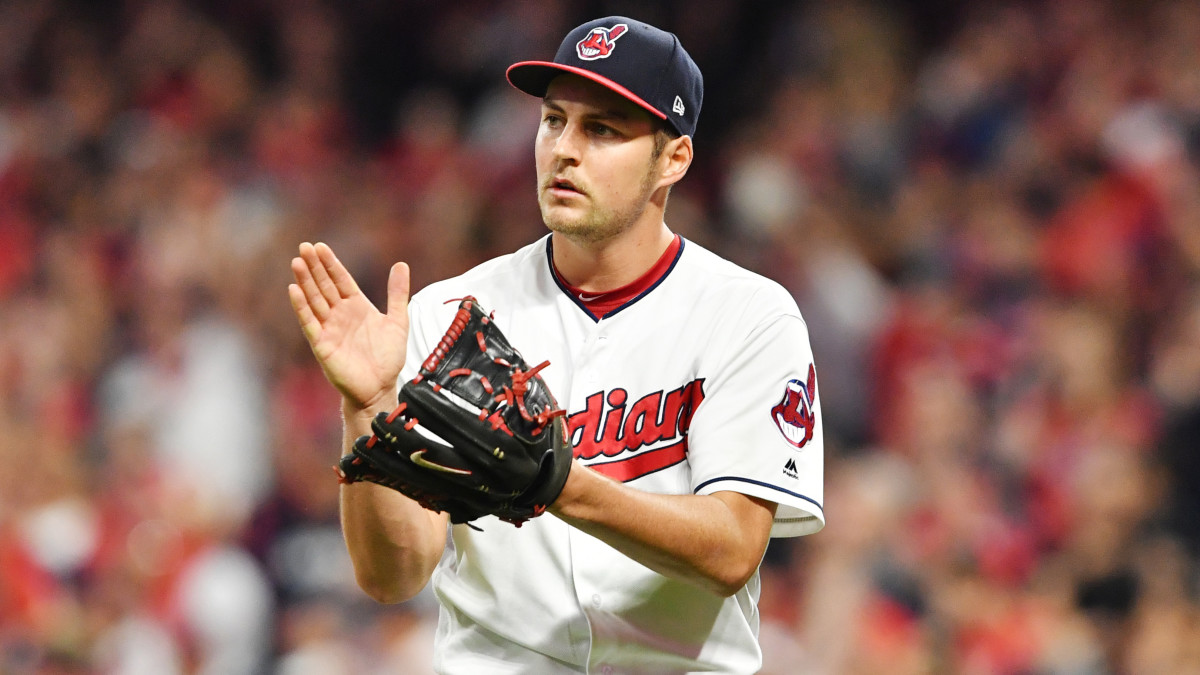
x=592 y=346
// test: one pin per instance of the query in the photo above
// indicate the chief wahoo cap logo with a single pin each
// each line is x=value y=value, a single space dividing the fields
x=600 y=42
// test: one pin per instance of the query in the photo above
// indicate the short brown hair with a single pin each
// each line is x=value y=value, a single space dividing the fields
x=662 y=134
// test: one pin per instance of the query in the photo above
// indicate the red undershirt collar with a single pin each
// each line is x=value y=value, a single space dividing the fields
x=601 y=304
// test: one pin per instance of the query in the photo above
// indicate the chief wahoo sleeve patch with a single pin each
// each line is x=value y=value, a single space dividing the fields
x=794 y=414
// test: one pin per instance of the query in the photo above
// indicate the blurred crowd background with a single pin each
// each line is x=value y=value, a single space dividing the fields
x=989 y=213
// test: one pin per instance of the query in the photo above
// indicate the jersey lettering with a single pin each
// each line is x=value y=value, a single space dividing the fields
x=608 y=427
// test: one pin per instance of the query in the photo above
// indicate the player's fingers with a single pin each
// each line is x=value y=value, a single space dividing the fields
x=304 y=314
x=320 y=275
x=342 y=281
x=302 y=271
x=398 y=289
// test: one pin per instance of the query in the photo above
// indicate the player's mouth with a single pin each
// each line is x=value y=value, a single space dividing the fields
x=561 y=187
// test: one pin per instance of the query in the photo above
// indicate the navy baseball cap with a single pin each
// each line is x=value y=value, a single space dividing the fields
x=638 y=61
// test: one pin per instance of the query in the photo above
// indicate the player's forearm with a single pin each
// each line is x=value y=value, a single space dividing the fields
x=394 y=544
x=391 y=541
x=704 y=540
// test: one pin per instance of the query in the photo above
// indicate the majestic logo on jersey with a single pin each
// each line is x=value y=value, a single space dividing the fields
x=628 y=441
x=790 y=469
x=600 y=42
x=794 y=414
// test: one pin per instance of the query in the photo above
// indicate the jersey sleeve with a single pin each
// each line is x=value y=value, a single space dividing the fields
x=758 y=429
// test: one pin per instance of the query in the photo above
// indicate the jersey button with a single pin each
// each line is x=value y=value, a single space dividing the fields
x=596 y=602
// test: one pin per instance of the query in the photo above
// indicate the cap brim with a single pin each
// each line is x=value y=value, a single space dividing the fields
x=533 y=78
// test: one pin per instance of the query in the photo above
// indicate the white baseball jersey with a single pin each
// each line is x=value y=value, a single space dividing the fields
x=702 y=383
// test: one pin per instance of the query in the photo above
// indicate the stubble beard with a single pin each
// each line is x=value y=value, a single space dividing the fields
x=601 y=222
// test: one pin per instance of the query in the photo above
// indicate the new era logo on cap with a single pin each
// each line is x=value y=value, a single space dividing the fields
x=638 y=61
x=600 y=42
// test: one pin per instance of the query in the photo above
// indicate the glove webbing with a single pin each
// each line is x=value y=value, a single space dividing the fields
x=510 y=395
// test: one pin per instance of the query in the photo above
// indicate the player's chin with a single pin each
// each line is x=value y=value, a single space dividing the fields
x=582 y=230
x=573 y=227
x=560 y=215
x=556 y=223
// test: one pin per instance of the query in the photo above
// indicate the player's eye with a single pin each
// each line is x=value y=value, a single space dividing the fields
x=551 y=120
x=602 y=130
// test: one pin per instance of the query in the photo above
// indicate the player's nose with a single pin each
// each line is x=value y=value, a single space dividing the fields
x=568 y=146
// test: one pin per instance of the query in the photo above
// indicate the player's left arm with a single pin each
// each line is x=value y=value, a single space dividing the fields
x=714 y=541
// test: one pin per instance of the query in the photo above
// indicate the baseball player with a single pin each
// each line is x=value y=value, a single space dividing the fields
x=688 y=383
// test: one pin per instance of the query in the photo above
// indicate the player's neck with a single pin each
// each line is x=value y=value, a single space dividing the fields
x=602 y=266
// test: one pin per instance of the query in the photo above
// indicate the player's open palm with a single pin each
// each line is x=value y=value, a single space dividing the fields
x=360 y=348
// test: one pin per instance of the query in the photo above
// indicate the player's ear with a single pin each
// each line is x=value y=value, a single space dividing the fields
x=676 y=157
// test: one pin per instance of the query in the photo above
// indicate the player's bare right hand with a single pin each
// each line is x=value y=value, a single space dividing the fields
x=360 y=348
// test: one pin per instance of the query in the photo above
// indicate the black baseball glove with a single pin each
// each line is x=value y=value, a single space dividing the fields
x=477 y=431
